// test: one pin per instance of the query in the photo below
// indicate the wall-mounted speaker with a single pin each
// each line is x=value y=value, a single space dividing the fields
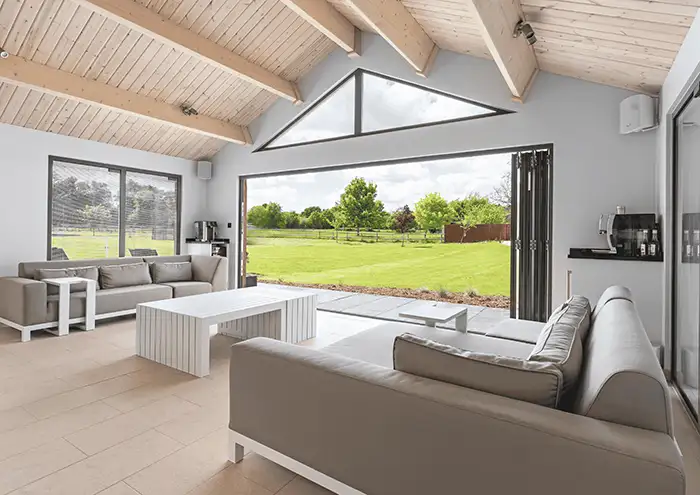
x=204 y=170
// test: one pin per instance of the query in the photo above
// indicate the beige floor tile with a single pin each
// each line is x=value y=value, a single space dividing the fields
x=266 y=473
x=34 y=434
x=302 y=486
x=31 y=391
x=34 y=464
x=120 y=488
x=103 y=470
x=159 y=385
x=85 y=395
x=186 y=469
x=230 y=481
x=100 y=372
x=196 y=425
x=125 y=426
x=14 y=418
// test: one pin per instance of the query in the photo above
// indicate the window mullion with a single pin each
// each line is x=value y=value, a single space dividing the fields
x=122 y=213
x=358 y=103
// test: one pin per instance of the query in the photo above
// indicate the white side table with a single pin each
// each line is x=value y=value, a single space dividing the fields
x=63 y=285
x=432 y=313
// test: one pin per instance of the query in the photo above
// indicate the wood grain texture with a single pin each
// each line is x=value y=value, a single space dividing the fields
x=324 y=17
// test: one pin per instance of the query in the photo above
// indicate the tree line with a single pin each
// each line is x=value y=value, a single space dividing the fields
x=358 y=208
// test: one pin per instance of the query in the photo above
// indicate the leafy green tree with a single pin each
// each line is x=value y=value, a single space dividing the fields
x=477 y=210
x=266 y=216
x=317 y=220
x=308 y=211
x=403 y=221
x=433 y=212
x=291 y=219
x=358 y=206
x=96 y=217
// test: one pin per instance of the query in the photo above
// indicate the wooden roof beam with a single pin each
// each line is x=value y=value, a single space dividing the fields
x=515 y=58
x=19 y=71
x=398 y=27
x=150 y=23
x=326 y=19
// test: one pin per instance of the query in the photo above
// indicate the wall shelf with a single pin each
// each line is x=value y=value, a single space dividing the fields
x=596 y=254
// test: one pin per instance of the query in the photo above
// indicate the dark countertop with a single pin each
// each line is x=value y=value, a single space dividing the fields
x=599 y=254
x=218 y=240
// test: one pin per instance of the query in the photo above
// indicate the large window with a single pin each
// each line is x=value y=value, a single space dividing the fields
x=102 y=211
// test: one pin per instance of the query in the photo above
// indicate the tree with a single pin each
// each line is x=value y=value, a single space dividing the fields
x=433 y=212
x=96 y=217
x=317 y=221
x=358 y=206
x=477 y=210
x=308 y=211
x=404 y=220
x=501 y=194
x=266 y=216
x=291 y=220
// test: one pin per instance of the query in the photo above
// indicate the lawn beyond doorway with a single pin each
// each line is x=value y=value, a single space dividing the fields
x=484 y=267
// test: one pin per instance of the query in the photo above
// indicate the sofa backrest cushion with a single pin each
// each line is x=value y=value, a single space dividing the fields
x=28 y=269
x=115 y=276
x=171 y=272
x=176 y=258
x=89 y=272
x=204 y=268
x=539 y=383
x=560 y=339
x=621 y=379
x=610 y=294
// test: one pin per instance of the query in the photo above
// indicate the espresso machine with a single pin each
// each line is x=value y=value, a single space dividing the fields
x=205 y=230
x=622 y=232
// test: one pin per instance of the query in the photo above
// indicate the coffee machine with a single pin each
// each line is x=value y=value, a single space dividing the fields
x=205 y=230
x=622 y=231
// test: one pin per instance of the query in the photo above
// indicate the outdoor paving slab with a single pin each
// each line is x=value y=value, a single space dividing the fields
x=382 y=305
x=341 y=305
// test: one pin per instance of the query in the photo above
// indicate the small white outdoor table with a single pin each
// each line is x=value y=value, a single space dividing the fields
x=63 y=285
x=432 y=313
x=176 y=332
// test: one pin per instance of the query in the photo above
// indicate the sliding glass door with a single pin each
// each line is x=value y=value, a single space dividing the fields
x=687 y=252
x=103 y=211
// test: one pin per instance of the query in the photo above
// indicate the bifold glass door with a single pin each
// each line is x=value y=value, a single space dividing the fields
x=687 y=252
x=531 y=225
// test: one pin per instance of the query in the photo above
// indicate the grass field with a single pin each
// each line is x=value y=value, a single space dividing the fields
x=453 y=267
x=85 y=245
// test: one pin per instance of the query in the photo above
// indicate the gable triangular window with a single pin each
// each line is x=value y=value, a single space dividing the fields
x=369 y=103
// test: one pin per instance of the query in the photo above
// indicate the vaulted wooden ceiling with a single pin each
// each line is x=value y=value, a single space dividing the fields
x=231 y=59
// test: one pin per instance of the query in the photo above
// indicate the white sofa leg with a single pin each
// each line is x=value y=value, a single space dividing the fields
x=238 y=453
x=26 y=335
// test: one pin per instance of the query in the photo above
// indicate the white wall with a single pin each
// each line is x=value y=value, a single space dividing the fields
x=684 y=72
x=595 y=168
x=24 y=165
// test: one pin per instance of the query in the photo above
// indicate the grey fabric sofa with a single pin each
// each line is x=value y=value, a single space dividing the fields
x=345 y=418
x=28 y=304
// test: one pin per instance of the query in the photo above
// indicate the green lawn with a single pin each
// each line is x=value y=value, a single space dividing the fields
x=85 y=245
x=454 y=267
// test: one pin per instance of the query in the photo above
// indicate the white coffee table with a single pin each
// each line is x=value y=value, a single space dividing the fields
x=176 y=332
x=432 y=313
x=63 y=285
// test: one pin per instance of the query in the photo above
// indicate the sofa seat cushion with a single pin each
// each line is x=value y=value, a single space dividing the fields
x=163 y=273
x=520 y=379
x=184 y=289
x=111 y=300
x=116 y=276
x=519 y=330
x=376 y=344
x=88 y=272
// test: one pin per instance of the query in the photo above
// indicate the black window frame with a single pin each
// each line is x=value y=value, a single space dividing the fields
x=357 y=75
x=122 y=198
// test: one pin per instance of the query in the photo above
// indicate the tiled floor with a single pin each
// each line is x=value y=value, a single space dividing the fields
x=81 y=415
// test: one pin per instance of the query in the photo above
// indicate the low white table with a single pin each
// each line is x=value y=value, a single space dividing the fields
x=176 y=332
x=63 y=285
x=433 y=313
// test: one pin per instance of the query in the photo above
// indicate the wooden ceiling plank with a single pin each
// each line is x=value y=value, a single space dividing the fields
x=399 y=28
x=23 y=25
x=8 y=14
x=37 y=114
x=40 y=27
x=15 y=104
x=57 y=82
x=326 y=19
x=83 y=44
x=7 y=92
x=84 y=120
x=62 y=119
x=514 y=57
x=651 y=6
x=95 y=48
x=28 y=106
x=52 y=116
x=152 y=24
x=60 y=47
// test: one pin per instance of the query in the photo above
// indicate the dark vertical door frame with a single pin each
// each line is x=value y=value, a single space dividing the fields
x=122 y=214
x=514 y=235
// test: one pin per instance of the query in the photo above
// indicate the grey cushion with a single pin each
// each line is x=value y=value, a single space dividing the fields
x=28 y=269
x=622 y=381
x=89 y=272
x=610 y=294
x=115 y=276
x=520 y=330
x=375 y=345
x=539 y=383
x=177 y=258
x=184 y=289
x=204 y=267
x=171 y=272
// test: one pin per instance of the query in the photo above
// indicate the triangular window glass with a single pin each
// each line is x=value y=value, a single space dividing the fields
x=391 y=104
x=330 y=118
x=367 y=103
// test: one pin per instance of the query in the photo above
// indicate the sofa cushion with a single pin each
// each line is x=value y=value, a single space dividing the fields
x=519 y=330
x=539 y=383
x=171 y=272
x=28 y=269
x=375 y=345
x=610 y=294
x=89 y=272
x=560 y=342
x=204 y=268
x=115 y=276
x=184 y=289
x=176 y=258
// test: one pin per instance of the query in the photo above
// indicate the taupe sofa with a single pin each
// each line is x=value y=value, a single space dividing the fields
x=347 y=419
x=28 y=304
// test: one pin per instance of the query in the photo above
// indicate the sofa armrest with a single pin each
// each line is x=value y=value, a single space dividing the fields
x=383 y=431
x=211 y=269
x=23 y=300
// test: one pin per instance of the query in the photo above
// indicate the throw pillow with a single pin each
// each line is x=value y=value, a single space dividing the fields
x=171 y=272
x=89 y=272
x=529 y=381
x=115 y=276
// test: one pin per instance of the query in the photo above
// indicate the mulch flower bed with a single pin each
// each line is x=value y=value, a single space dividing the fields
x=502 y=302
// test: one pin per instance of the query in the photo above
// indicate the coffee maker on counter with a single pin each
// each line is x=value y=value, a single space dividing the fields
x=205 y=230
x=633 y=235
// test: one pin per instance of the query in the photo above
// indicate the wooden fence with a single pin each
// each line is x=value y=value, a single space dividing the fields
x=480 y=233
